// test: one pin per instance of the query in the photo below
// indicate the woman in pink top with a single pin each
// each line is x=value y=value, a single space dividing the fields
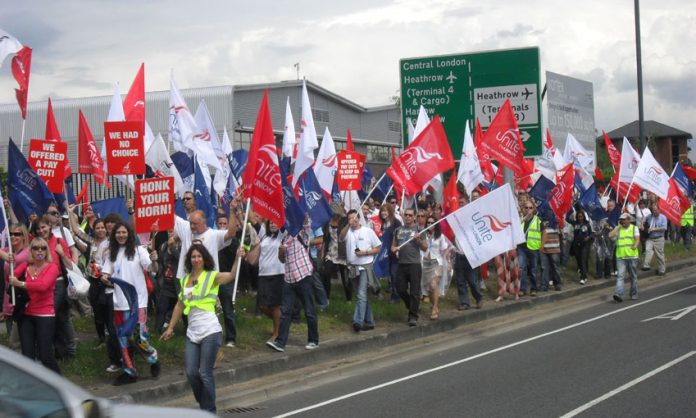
x=19 y=240
x=37 y=326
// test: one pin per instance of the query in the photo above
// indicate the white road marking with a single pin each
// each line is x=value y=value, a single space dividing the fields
x=671 y=315
x=628 y=385
x=477 y=356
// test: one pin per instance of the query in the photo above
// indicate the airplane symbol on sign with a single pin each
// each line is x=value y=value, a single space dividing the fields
x=451 y=78
x=526 y=93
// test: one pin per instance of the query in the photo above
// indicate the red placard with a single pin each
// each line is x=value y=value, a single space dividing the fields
x=154 y=204
x=125 y=147
x=350 y=169
x=48 y=159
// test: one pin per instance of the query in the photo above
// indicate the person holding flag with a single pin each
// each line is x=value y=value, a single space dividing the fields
x=655 y=226
x=406 y=246
x=528 y=252
x=627 y=237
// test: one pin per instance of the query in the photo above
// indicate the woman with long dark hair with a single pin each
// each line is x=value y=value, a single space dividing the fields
x=582 y=242
x=433 y=262
x=37 y=325
x=124 y=268
x=389 y=225
x=197 y=299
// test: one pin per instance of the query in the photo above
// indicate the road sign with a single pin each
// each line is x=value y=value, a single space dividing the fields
x=571 y=110
x=466 y=86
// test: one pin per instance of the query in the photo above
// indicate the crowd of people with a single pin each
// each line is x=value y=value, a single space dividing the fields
x=187 y=273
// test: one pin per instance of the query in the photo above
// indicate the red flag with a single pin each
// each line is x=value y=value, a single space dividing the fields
x=524 y=183
x=53 y=134
x=676 y=203
x=349 y=142
x=21 y=66
x=90 y=160
x=598 y=174
x=397 y=186
x=450 y=204
x=82 y=196
x=690 y=172
x=561 y=196
x=634 y=193
x=134 y=104
x=427 y=156
x=484 y=159
x=502 y=141
x=261 y=178
x=614 y=154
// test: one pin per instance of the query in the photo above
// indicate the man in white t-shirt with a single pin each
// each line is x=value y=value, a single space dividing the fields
x=362 y=244
x=196 y=228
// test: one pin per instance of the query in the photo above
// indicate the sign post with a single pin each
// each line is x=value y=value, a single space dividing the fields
x=468 y=86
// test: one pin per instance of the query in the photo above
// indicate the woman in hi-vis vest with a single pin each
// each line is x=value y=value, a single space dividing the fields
x=197 y=299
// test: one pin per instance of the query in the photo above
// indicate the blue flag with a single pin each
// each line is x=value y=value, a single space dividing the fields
x=131 y=296
x=381 y=264
x=335 y=193
x=682 y=180
x=294 y=214
x=381 y=189
x=589 y=202
x=184 y=165
x=313 y=201
x=202 y=195
x=26 y=191
x=367 y=177
x=115 y=205
x=578 y=183
x=541 y=189
x=238 y=162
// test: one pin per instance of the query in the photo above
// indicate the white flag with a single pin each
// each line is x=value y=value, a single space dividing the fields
x=289 y=136
x=8 y=45
x=469 y=173
x=488 y=226
x=651 y=176
x=629 y=162
x=576 y=152
x=308 y=138
x=411 y=130
x=161 y=163
x=185 y=133
x=422 y=122
x=227 y=148
x=207 y=131
x=326 y=164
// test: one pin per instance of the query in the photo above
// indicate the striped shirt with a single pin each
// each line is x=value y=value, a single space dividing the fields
x=297 y=262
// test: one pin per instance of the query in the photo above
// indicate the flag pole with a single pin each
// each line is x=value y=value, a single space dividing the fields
x=427 y=228
x=373 y=189
x=387 y=194
x=9 y=247
x=627 y=194
x=21 y=142
x=241 y=242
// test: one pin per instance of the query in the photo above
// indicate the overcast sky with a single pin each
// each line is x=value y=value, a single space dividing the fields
x=81 y=48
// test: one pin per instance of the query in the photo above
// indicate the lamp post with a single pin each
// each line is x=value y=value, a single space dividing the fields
x=639 y=65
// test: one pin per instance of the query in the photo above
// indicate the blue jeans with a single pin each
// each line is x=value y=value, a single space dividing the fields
x=465 y=276
x=303 y=291
x=550 y=263
x=623 y=265
x=200 y=359
x=225 y=296
x=363 y=312
x=528 y=261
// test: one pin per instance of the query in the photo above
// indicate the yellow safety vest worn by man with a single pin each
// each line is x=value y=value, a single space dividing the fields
x=533 y=233
x=627 y=239
x=687 y=218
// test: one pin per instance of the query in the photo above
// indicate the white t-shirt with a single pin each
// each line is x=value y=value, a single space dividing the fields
x=130 y=271
x=436 y=249
x=101 y=253
x=200 y=323
x=269 y=264
x=363 y=239
x=66 y=234
x=213 y=240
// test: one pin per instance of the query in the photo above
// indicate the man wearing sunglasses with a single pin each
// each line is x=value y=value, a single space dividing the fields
x=528 y=252
x=408 y=273
x=189 y=203
x=62 y=232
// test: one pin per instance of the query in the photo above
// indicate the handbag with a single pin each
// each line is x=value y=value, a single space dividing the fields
x=21 y=299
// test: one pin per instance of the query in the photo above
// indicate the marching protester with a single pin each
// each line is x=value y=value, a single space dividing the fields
x=627 y=237
x=550 y=256
x=271 y=270
x=389 y=225
x=409 y=271
x=124 y=269
x=655 y=226
x=528 y=252
x=582 y=243
x=197 y=298
x=364 y=245
x=434 y=263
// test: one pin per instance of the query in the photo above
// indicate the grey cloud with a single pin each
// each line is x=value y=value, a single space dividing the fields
x=678 y=90
x=519 y=30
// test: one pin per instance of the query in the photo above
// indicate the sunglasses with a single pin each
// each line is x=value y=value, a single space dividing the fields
x=188 y=198
x=393 y=202
x=53 y=212
x=16 y=234
x=408 y=214
x=528 y=207
x=37 y=248
x=421 y=216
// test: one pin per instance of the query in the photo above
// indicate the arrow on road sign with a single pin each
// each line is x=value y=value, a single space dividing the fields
x=525 y=136
x=674 y=316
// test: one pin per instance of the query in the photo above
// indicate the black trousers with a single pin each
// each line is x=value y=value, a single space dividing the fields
x=408 y=284
x=36 y=338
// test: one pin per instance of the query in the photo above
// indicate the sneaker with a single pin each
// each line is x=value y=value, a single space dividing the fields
x=645 y=268
x=634 y=297
x=367 y=328
x=274 y=346
x=532 y=293
x=124 y=379
x=113 y=368
x=618 y=298
x=155 y=370
x=479 y=304
x=356 y=327
x=230 y=344
x=311 y=346
x=463 y=307
x=583 y=281
x=412 y=322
